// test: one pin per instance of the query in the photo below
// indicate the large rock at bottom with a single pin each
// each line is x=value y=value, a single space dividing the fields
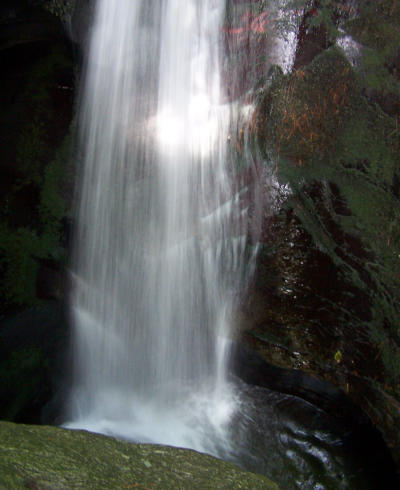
x=43 y=457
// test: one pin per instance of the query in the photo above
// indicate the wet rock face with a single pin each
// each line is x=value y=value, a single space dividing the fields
x=325 y=296
x=247 y=41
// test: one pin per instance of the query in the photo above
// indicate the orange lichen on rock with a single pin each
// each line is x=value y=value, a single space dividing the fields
x=305 y=127
x=303 y=112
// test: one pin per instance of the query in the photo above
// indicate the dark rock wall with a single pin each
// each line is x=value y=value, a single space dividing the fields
x=325 y=297
x=37 y=93
x=33 y=355
x=37 y=87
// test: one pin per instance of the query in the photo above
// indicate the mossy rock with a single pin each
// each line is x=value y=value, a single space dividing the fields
x=36 y=175
x=303 y=112
x=340 y=153
x=44 y=457
x=337 y=148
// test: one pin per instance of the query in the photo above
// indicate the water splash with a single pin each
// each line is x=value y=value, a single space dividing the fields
x=162 y=229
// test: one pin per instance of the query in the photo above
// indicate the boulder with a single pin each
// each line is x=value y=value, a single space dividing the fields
x=49 y=457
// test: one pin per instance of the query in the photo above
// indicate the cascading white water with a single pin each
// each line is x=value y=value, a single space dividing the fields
x=161 y=232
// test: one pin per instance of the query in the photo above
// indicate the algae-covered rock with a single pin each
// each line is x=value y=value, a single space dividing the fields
x=43 y=457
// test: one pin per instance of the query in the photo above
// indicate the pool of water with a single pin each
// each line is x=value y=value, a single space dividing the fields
x=300 y=446
x=292 y=441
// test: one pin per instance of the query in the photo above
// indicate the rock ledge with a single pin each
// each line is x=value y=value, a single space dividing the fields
x=44 y=458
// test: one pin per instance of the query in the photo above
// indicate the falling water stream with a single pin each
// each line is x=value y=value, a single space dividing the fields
x=163 y=252
x=159 y=254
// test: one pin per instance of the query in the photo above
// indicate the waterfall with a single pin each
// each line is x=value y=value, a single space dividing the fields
x=159 y=253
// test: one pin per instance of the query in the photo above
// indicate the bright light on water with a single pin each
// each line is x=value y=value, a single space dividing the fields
x=197 y=128
x=169 y=130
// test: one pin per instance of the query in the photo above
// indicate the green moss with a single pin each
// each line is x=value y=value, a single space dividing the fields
x=376 y=28
x=52 y=206
x=325 y=15
x=21 y=248
x=48 y=457
x=33 y=208
x=18 y=249
x=20 y=381
x=36 y=141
